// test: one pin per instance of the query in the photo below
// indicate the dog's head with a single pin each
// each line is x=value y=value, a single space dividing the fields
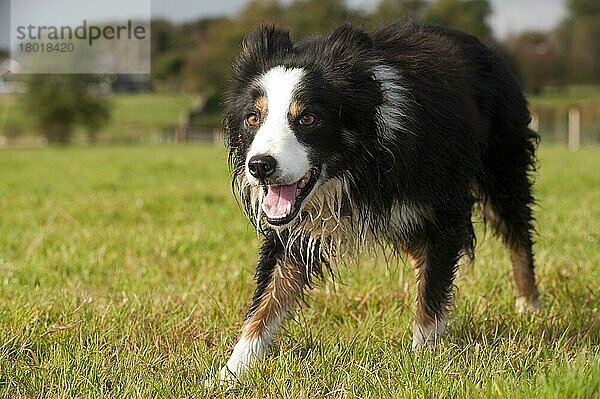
x=298 y=116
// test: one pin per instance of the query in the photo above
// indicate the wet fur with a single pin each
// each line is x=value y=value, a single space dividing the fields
x=420 y=124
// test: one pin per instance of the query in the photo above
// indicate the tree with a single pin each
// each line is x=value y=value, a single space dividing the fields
x=582 y=49
x=60 y=102
x=260 y=11
x=466 y=15
x=207 y=67
x=392 y=10
x=166 y=49
x=537 y=58
x=581 y=8
x=310 y=17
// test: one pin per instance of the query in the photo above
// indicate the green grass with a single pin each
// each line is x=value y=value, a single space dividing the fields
x=134 y=116
x=567 y=96
x=149 y=111
x=125 y=272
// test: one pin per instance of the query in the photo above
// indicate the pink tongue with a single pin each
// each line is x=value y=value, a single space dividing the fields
x=278 y=199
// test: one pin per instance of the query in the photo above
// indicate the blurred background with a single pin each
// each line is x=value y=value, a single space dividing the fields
x=552 y=47
x=126 y=264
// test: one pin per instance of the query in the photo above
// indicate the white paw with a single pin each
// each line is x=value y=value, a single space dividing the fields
x=245 y=353
x=226 y=379
x=427 y=335
x=525 y=305
x=231 y=376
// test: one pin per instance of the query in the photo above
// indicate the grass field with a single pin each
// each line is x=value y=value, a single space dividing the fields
x=566 y=96
x=125 y=272
x=134 y=117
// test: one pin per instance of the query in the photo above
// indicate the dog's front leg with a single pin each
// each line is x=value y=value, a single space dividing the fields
x=279 y=286
x=435 y=261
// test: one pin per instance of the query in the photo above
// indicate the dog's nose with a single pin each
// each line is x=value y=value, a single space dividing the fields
x=262 y=166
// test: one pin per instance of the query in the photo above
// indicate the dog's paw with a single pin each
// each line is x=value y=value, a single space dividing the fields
x=525 y=305
x=226 y=378
x=425 y=336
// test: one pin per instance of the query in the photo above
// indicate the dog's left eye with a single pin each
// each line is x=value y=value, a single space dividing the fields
x=307 y=120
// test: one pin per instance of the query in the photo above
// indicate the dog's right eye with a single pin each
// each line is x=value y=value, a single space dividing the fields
x=253 y=119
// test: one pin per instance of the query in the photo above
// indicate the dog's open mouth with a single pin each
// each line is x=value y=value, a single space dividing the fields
x=282 y=203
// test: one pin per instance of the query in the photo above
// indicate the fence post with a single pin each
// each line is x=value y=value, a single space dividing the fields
x=574 y=128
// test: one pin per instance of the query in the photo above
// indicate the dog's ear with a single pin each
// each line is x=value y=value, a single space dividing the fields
x=348 y=43
x=261 y=46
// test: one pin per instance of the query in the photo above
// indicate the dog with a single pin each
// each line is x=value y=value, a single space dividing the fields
x=353 y=140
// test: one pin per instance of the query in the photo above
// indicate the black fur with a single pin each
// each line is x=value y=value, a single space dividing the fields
x=271 y=251
x=463 y=138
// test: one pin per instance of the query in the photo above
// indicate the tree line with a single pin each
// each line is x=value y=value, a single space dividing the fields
x=196 y=57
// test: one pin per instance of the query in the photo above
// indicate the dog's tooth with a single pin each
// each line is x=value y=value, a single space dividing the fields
x=302 y=183
x=288 y=208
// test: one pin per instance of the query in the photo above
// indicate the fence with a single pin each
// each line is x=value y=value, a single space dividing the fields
x=573 y=125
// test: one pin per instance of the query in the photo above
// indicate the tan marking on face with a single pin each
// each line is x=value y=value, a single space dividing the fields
x=281 y=295
x=260 y=103
x=296 y=108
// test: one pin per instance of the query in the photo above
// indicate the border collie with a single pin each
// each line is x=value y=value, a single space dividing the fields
x=354 y=140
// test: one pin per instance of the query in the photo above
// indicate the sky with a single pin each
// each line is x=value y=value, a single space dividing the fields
x=510 y=16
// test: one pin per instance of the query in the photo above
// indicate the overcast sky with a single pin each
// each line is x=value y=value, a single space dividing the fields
x=510 y=16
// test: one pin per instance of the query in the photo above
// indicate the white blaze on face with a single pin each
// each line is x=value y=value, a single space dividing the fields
x=275 y=137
